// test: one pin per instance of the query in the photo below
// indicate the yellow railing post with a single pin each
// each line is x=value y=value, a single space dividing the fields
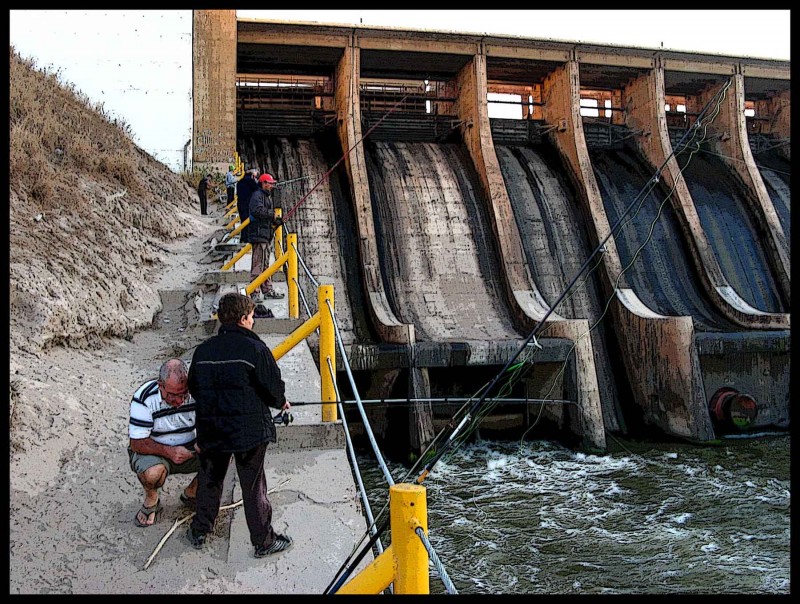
x=231 y=205
x=231 y=212
x=405 y=561
x=236 y=258
x=408 y=509
x=327 y=349
x=291 y=276
x=231 y=223
x=239 y=228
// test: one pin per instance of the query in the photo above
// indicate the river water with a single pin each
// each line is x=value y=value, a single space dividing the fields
x=645 y=518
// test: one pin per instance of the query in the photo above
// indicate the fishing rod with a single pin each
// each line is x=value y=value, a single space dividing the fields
x=442 y=401
x=681 y=146
x=281 y=183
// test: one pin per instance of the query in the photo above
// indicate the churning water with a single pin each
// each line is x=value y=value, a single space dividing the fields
x=649 y=518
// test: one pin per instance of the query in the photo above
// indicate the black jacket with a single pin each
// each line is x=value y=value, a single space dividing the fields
x=202 y=187
x=244 y=191
x=262 y=226
x=235 y=380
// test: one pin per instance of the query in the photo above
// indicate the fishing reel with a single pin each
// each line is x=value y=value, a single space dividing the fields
x=283 y=417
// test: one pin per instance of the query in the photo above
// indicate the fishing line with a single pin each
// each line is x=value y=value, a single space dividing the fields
x=629 y=265
x=475 y=407
x=344 y=155
x=467 y=418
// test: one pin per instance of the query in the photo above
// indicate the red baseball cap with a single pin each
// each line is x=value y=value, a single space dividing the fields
x=266 y=178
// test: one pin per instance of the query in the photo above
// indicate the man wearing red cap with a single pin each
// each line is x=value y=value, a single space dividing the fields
x=262 y=228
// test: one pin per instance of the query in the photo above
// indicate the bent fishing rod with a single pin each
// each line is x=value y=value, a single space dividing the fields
x=344 y=571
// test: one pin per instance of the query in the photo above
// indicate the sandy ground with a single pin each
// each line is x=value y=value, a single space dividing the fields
x=72 y=494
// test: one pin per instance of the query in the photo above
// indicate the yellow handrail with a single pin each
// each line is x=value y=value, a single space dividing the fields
x=323 y=320
x=231 y=223
x=229 y=264
x=239 y=228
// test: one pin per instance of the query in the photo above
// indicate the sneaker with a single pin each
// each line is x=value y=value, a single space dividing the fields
x=281 y=543
x=257 y=297
x=196 y=539
x=262 y=312
x=274 y=294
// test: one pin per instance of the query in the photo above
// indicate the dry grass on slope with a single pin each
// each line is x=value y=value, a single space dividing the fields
x=89 y=213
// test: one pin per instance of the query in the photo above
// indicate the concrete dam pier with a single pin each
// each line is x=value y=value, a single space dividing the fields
x=449 y=234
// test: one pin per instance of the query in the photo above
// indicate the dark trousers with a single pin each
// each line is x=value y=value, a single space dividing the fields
x=257 y=508
x=259 y=262
x=231 y=192
x=203 y=204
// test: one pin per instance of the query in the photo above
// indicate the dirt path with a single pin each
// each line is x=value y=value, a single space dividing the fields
x=73 y=496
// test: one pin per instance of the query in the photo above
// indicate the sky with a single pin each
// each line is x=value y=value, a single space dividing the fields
x=138 y=64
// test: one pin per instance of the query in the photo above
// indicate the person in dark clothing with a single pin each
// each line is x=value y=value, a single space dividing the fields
x=262 y=228
x=202 y=193
x=234 y=380
x=244 y=191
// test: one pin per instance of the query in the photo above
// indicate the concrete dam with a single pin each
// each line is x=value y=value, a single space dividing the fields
x=449 y=234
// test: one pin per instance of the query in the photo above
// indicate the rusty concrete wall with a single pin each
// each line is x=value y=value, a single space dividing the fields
x=213 y=89
x=471 y=107
x=643 y=99
x=472 y=110
x=348 y=113
x=734 y=149
x=658 y=352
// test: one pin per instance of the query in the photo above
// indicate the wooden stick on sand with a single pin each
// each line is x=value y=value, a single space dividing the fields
x=180 y=521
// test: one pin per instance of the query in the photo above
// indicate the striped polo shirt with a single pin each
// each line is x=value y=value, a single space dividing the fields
x=151 y=417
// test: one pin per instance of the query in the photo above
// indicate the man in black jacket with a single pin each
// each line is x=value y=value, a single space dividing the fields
x=261 y=230
x=202 y=192
x=234 y=380
x=244 y=191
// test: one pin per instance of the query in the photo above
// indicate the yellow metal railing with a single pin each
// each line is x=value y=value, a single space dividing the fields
x=405 y=561
x=229 y=226
x=323 y=320
x=230 y=263
x=278 y=234
x=289 y=257
x=239 y=228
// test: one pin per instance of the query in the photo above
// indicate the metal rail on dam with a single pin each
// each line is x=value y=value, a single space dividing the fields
x=454 y=235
